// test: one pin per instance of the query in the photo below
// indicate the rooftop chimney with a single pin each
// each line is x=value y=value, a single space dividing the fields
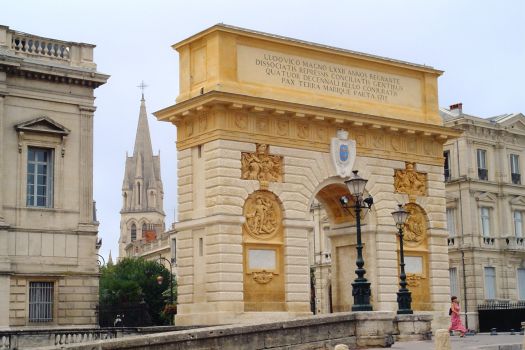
x=456 y=109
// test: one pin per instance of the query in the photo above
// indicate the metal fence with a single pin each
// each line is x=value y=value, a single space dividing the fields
x=125 y=315
x=503 y=316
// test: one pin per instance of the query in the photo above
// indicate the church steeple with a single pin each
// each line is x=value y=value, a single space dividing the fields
x=142 y=192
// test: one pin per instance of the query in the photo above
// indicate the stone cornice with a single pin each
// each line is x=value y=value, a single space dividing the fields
x=52 y=73
x=176 y=113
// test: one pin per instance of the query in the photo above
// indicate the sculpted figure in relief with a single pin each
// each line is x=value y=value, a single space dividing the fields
x=410 y=181
x=415 y=226
x=261 y=166
x=263 y=215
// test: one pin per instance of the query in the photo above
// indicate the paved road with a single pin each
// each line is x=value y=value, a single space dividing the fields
x=478 y=341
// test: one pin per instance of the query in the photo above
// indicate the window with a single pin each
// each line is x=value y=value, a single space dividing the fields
x=518 y=224
x=485 y=221
x=482 y=164
x=451 y=222
x=453 y=274
x=446 y=155
x=515 y=169
x=133 y=232
x=521 y=283
x=39 y=177
x=41 y=301
x=490 y=283
x=174 y=251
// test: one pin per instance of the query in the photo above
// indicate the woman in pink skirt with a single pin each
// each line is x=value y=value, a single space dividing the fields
x=455 y=319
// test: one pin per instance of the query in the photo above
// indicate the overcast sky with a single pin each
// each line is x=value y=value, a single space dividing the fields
x=479 y=44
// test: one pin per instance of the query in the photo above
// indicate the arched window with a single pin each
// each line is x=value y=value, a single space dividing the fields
x=138 y=192
x=133 y=232
x=143 y=228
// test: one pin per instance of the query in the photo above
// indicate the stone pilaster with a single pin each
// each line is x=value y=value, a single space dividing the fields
x=86 y=165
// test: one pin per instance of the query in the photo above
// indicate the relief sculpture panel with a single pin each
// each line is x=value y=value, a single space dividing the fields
x=261 y=165
x=415 y=231
x=410 y=181
x=263 y=215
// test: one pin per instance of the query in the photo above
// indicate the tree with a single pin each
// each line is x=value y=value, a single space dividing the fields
x=134 y=282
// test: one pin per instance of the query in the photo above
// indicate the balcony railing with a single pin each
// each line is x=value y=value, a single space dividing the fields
x=516 y=178
x=483 y=174
x=38 y=47
x=447 y=175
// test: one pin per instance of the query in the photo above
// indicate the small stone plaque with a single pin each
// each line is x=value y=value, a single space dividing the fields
x=413 y=264
x=262 y=259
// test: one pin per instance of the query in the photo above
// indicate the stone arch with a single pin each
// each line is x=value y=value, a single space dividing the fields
x=342 y=235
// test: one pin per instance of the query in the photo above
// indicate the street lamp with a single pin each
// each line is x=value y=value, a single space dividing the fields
x=404 y=298
x=360 y=286
x=160 y=279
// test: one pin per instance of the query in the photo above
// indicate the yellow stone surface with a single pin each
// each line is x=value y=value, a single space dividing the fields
x=229 y=59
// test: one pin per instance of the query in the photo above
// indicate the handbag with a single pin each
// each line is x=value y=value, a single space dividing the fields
x=450 y=311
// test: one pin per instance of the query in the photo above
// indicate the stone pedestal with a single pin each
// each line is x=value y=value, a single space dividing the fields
x=413 y=327
x=374 y=328
x=442 y=340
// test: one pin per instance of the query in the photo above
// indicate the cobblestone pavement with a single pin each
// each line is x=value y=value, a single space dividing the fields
x=478 y=341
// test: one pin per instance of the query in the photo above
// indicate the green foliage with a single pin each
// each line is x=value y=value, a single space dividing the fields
x=132 y=281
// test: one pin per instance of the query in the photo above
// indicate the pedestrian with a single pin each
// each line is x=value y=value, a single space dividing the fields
x=455 y=318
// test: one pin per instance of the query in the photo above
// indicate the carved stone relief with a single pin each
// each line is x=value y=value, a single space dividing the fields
x=410 y=181
x=303 y=130
x=203 y=123
x=261 y=165
x=261 y=124
x=262 y=277
x=241 y=121
x=263 y=215
x=283 y=127
x=414 y=279
x=415 y=230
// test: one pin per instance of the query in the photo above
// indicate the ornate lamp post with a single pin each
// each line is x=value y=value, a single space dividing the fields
x=404 y=298
x=160 y=279
x=360 y=286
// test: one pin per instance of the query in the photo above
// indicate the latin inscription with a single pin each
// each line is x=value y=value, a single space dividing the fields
x=278 y=69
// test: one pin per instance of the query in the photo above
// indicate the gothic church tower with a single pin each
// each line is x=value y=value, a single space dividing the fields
x=142 y=214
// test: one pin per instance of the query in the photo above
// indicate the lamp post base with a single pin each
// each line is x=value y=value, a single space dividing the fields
x=404 y=299
x=361 y=293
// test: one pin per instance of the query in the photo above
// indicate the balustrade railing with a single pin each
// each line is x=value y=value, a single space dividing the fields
x=20 y=339
x=37 y=46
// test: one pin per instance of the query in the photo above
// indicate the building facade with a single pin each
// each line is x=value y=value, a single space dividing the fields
x=142 y=214
x=48 y=231
x=485 y=208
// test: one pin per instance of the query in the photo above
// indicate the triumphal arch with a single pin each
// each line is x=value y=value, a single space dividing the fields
x=255 y=116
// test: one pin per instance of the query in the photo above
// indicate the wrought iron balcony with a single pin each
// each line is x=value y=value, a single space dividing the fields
x=483 y=174
x=516 y=178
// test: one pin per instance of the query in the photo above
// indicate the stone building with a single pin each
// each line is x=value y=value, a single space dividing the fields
x=48 y=232
x=485 y=208
x=142 y=214
x=255 y=116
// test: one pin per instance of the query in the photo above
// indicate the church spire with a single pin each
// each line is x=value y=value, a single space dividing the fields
x=142 y=192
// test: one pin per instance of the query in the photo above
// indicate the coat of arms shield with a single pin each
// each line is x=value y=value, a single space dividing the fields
x=343 y=153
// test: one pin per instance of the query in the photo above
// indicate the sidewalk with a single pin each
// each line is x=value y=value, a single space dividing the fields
x=479 y=341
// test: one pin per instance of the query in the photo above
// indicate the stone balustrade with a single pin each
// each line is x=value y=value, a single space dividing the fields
x=21 y=339
x=32 y=46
